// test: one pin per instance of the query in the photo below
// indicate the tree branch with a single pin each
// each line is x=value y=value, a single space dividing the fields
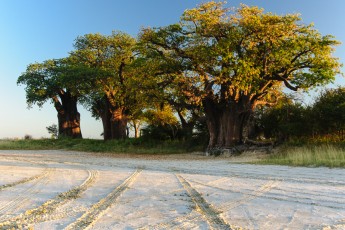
x=289 y=86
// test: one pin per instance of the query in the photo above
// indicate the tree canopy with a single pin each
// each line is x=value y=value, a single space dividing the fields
x=233 y=60
x=114 y=93
x=214 y=66
x=58 y=81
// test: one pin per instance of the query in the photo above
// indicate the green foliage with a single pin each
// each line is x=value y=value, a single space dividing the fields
x=53 y=131
x=49 y=79
x=324 y=121
x=232 y=55
x=108 y=60
x=238 y=59
x=162 y=124
x=329 y=112
x=214 y=54
x=60 y=82
x=287 y=119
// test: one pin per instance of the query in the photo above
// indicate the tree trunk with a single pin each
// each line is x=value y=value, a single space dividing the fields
x=101 y=108
x=106 y=117
x=187 y=127
x=114 y=119
x=119 y=123
x=68 y=117
x=225 y=123
x=136 y=132
x=136 y=126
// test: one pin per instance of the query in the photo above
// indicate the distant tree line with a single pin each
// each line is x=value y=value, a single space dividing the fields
x=206 y=76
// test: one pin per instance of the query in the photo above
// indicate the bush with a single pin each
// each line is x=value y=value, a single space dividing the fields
x=53 y=131
x=27 y=137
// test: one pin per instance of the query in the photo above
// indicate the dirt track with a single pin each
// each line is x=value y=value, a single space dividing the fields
x=69 y=190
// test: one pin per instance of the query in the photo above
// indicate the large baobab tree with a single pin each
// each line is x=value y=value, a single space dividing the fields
x=233 y=60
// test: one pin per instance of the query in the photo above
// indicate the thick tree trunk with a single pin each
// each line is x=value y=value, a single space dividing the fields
x=119 y=123
x=114 y=120
x=68 y=117
x=69 y=124
x=225 y=123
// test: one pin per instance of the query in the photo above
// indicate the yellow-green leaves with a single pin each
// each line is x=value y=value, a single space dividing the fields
x=246 y=51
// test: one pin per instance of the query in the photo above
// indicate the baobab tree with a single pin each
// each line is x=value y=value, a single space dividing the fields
x=233 y=60
x=57 y=81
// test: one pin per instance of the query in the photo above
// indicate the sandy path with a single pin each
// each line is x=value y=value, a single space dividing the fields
x=70 y=190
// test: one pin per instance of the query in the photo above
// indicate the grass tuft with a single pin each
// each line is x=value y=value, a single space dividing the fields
x=312 y=156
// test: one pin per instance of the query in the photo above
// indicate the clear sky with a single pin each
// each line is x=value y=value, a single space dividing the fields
x=37 y=30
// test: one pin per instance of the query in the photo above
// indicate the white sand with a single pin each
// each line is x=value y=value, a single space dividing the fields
x=165 y=192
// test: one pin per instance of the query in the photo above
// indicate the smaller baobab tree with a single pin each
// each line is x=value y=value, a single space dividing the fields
x=114 y=91
x=56 y=81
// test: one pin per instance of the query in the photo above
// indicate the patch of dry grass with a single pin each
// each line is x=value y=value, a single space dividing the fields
x=313 y=156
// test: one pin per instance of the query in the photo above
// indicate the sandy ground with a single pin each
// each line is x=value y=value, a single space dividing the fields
x=73 y=190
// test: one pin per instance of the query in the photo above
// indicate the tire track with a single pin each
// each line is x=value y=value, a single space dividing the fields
x=23 y=195
x=204 y=208
x=212 y=186
x=180 y=222
x=25 y=180
x=176 y=223
x=38 y=176
x=291 y=219
x=248 y=197
x=98 y=209
x=318 y=193
x=308 y=200
x=43 y=212
x=276 y=177
x=251 y=220
x=143 y=198
x=220 y=180
x=340 y=225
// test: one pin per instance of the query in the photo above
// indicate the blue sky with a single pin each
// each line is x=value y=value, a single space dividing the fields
x=37 y=30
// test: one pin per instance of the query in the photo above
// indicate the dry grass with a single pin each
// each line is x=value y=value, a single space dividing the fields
x=313 y=156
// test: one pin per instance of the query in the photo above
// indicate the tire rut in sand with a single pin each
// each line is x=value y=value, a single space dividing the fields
x=266 y=187
x=205 y=209
x=23 y=194
x=265 y=191
x=98 y=209
x=44 y=211
x=185 y=221
x=25 y=180
x=248 y=197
